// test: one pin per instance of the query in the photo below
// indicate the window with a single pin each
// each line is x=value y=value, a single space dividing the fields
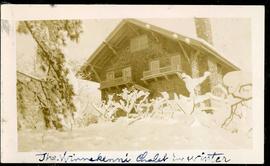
x=110 y=75
x=138 y=43
x=175 y=60
x=127 y=72
x=118 y=74
x=154 y=65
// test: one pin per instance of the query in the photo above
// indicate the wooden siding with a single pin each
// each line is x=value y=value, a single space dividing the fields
x=212 y=66
x=119 y=55
x=172 y=85
x=116 y=82
x=203 y=67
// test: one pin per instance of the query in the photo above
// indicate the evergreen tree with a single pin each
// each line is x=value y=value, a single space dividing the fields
x=51 y=36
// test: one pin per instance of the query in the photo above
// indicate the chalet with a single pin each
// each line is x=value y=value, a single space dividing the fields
x=144 y=56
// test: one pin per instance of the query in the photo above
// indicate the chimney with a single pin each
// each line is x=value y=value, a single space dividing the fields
x=203 y=29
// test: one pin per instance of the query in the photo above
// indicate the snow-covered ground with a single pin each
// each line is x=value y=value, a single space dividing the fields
x=181 y=132
x=160 y=132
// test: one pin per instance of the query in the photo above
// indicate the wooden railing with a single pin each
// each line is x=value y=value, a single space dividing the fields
x=115 y=82
x=161 y=71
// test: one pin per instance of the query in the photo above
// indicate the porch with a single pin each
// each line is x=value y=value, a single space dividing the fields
x=161 y=72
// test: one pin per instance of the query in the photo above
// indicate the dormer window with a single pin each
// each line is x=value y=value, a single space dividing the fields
x=139 y=43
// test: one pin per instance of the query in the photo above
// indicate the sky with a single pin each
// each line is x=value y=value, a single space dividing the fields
x=231 y=37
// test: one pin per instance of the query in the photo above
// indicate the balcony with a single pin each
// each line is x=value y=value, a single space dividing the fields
x=161 y=72
x=116 y=82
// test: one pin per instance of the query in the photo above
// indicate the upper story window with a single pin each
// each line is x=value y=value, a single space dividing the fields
x=124 y=72
x=127 y=72
x=175 y=60
x=139 y=43
x=110 y=75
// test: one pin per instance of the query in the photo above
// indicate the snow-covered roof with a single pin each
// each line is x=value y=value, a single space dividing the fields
x=193 y=41
x=190 y=40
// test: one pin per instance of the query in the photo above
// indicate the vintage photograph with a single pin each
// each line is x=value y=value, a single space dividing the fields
x=134 y=84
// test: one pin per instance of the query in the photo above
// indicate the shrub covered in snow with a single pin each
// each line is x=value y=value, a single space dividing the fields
x=231 y=107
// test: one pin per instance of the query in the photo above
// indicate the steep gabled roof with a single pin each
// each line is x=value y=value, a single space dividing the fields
x=198 y=43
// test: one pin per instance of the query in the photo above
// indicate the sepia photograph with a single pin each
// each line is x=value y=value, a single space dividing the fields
x=134 y=88
x=134 y=84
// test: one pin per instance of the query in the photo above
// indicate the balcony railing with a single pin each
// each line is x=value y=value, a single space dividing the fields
x=163 y=71
x=115 y=82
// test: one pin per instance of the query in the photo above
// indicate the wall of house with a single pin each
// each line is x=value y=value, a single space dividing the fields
x=110 y=91
x=218 y=70
x=161 y=48
x=203 y=67
x=172 y=85
x=139 y=62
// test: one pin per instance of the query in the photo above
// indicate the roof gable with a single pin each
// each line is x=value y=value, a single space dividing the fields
x=121 y=34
